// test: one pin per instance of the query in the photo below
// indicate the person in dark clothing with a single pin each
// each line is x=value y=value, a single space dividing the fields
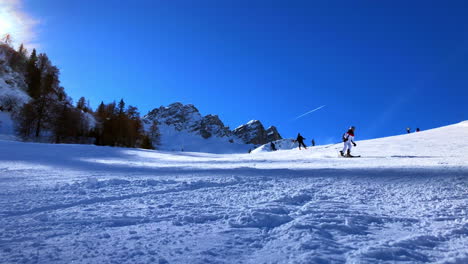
x=272 y=146
x=417 y=129
x=408 y=130
x=313 y=142
x=300 y=140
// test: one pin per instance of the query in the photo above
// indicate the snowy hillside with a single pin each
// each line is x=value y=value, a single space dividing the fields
x=404 y=201
x=12 y=86
x=183 y=140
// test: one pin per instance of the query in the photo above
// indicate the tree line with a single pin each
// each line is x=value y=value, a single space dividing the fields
x=51 y=116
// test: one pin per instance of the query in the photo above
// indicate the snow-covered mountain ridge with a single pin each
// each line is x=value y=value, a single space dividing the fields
x=182 y=127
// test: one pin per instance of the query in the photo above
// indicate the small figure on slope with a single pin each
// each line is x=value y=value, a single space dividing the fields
x=272 y=146
x=300 y=141
x=348 y=139
x=408 y=130
x=313 y=142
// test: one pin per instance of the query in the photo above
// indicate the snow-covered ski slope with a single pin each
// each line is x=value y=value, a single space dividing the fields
x=405 y=200
x=172 y=140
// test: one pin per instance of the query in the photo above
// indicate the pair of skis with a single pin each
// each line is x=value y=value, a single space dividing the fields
x=349 y=156
x=340 y=154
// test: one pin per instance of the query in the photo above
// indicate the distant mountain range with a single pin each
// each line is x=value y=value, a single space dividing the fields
x=181 y=125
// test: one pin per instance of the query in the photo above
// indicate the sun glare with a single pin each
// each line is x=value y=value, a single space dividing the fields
x=15 y=22
x=7 y=24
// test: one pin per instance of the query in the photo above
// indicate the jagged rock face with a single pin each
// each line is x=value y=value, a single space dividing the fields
x=187 y=117
x=272 y=134
x=252 y=133
x=182 y=117
x=212 y=125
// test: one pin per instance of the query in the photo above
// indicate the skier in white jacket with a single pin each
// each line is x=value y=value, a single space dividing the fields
x=348 y=139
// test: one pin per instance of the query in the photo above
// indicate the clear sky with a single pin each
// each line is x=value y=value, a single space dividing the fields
x=379 y=66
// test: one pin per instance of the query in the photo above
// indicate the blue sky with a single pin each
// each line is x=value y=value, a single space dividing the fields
x=378 y=66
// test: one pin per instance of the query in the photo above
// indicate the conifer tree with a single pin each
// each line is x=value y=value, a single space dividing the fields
x=25 y=121
x=33 y=76
x=121 y=106
x=118 y=126
x=22 y=50
x=81 y=104
x=18 y=59
x=146 y=142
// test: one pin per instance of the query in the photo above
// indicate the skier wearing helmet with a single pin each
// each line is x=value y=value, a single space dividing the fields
x=348 y=139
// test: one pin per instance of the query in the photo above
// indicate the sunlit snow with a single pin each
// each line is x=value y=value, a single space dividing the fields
x=405 y=200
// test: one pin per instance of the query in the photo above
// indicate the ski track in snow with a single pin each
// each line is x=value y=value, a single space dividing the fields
x=88 y=204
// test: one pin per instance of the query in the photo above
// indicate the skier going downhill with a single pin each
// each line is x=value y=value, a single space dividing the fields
x=348 y=139
x=300 y=141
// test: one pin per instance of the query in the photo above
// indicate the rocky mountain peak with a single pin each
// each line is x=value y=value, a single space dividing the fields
x=212 y=125
x=272 y=134
x=182 y=117
x=188 y=118
x=254 y=133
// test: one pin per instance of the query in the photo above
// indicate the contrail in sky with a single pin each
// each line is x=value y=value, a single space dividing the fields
x=311 y=111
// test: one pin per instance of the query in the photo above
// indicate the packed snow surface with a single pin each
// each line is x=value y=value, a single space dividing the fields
x=7 y=128
x=405 y=200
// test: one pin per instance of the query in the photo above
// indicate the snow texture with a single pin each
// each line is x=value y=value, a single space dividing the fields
x=405 y=201
x=12 y=88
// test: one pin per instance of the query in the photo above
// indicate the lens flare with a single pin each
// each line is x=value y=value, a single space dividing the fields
x=7 y=21
x=15 y=22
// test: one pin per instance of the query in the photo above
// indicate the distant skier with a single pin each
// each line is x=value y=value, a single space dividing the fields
x=300 y=140
x=408 y=130
x=313 y=142
x=417 y=129
x=348 y=139
x=272 y=146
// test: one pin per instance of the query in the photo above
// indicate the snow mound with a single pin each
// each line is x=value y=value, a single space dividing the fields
x=282 y=144
x=261 y=218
